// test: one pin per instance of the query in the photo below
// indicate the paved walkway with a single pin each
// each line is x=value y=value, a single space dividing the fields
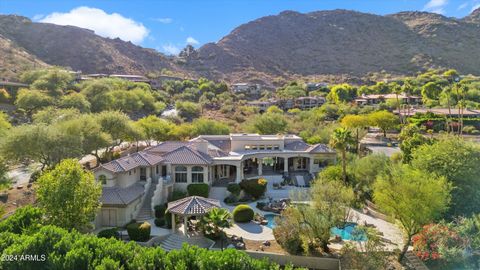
x=251 y=231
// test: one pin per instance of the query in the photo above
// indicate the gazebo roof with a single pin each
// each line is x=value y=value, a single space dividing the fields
x=193 y=205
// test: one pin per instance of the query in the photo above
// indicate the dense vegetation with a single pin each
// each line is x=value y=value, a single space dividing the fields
x=57 y=248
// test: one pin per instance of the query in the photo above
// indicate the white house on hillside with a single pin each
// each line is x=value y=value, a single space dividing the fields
x=133 y=184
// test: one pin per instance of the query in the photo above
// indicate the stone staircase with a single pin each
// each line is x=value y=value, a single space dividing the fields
x=145 y=212
x=175 y=241
x=414 y=261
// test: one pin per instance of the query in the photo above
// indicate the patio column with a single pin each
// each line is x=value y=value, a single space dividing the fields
x=238 y=178
x=285 y=164
x=260 y=163
x=173 y=222
x=310 y=165
x=185 y=225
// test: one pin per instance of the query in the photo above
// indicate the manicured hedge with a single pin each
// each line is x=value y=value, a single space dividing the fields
x=109 y=233
x=139 y=231
x=160 y=222
x=254 y=187
x=160 y=210
x=243 y=213
x=200 y=189
x=234 y=188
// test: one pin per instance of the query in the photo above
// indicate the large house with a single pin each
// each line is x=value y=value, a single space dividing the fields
x=133 y=184
x=376 y=99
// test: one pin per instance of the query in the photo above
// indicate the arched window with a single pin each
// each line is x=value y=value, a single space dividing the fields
x=102 y=179
x=197 y=174
x=181 y=174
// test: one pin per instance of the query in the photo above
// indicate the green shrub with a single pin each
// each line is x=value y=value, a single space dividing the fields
x=168 y=220
x=230 y=199
x=243 y=213
x=86 y=251
x=177 y=195
x=254 y=187
x=139 y=231
x=234 y=188
x=200 y=189
x=22 y=219
x=160 y=211
x=109 y=233
x=160 y=222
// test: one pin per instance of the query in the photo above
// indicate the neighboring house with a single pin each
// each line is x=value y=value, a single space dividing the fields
x=453 y=112
x=305 y=103
x=158 y=82
x=312 y=86
x=262 y=105
x=377 y=99
x=132 y=185
x=246 y=88
x=302 y=103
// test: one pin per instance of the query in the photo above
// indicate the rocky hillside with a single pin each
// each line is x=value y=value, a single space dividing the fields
x=333 y=44
x=14 y=60
x=345 y=42
x=80 y=49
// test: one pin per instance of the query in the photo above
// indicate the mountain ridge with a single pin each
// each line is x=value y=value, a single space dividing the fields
x=273 y=48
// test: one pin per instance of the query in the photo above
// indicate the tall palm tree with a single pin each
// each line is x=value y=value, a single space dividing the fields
x=340 y=140
x=215 y=221
x=397 y=90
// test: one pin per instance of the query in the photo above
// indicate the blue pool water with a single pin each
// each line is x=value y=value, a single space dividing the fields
x=271 y=220
x=349 y=232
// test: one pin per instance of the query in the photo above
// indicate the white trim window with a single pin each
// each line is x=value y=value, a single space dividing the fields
x=197 y=174
x=181 y=174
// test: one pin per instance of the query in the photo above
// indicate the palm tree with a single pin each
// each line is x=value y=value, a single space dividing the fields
x=340 y=140
x=397 y=90
x=215 y=221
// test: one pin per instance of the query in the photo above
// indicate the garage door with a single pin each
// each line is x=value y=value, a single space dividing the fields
x=109 y=217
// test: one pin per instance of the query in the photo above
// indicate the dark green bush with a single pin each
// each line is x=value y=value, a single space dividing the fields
x=168 y=220
x=177 y=195
x=200 y=189
x=139 y=231
x=160 y=222
x=234 y=188
x=230 y=199
x=254 y=187
x=160 y=211
x=243 y=213
x=109 y=233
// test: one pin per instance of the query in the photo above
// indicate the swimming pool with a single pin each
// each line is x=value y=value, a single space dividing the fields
x=349 y=232
x=271 y=220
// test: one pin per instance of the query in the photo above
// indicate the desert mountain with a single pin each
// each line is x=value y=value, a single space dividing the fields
x=287 y=45
x=80 y=49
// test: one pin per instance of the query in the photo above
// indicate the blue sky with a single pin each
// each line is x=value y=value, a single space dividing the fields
x=168 y=25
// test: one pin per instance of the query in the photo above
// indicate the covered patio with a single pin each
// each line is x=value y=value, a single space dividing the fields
x=193 y=206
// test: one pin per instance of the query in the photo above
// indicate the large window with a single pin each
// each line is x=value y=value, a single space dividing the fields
x=181 y=174
x=197 y=174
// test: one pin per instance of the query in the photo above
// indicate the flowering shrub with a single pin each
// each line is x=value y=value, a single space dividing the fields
x=434 y=240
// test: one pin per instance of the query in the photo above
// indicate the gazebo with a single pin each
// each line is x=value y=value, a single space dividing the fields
x=191 y=206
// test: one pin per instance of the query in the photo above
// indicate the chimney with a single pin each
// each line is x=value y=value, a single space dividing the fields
x=201 y=145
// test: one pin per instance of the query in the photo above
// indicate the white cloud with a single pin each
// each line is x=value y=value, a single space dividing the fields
x=171 y=49
x=163 y=20
x=106 y=25
x=192 y=41
x=436 y=6
x=462 y=6
x=37 y=17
